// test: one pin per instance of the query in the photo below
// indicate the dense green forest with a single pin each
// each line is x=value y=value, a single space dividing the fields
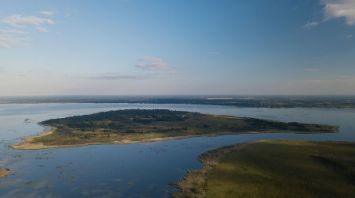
x=166 y=121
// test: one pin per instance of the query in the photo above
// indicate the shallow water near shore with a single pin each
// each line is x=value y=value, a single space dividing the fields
x=134 y=170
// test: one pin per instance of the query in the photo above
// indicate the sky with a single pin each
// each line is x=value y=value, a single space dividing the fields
x=177 y=47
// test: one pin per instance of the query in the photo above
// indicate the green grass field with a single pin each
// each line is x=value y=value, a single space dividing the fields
x=275 y=169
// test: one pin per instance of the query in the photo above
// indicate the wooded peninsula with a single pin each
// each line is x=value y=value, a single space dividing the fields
x=137 y=125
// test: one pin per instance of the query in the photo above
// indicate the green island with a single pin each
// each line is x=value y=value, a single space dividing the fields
x=137 y=125
x=274 y=168
x=4 y=172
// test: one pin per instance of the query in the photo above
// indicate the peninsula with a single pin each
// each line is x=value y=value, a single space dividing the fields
x=137 y=125
x=273 y=168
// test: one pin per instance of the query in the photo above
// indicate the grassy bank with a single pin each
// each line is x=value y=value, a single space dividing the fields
x=131 y=126
x=275 y=169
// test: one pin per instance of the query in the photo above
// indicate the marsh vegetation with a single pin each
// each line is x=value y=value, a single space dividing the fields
x=275 y=169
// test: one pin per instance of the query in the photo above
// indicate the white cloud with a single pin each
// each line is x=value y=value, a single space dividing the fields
x=10 y=38
x=340 y=9
x=41 y=29
x=15 y=33
x=47 y=13
x=152 y=63
x=12 y=31
x=19 y=20
x=311 y=24
x=339 y=81
x=112 y=76
x=10 y=41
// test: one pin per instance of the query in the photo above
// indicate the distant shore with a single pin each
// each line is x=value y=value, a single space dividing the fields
x=234 y=101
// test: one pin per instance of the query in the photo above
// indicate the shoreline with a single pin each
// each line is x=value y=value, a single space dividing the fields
x=27 y=144
x=194 y=181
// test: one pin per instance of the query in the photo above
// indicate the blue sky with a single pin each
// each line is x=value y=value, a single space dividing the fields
x=146 y=47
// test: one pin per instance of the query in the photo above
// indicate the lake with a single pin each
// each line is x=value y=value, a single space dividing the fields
x=133 y=170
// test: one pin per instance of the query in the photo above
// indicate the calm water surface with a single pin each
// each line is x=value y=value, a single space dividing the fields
x=135 y=170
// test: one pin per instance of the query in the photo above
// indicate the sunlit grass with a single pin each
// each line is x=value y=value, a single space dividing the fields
x=278 y=169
